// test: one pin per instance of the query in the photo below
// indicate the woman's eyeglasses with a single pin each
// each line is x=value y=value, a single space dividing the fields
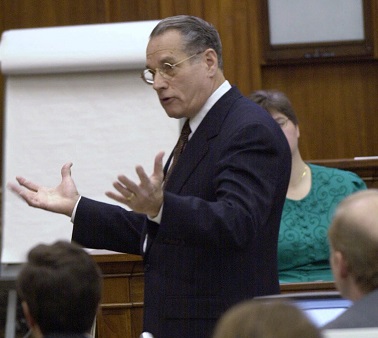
x=282 y=122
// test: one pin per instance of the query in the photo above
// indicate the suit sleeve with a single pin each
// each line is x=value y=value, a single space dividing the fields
x=104 y=226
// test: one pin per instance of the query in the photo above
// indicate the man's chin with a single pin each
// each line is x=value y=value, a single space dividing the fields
x=174 y=115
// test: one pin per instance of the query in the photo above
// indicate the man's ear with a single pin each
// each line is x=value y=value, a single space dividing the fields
x=29 y=319
x=341 y=264
x=211 y=61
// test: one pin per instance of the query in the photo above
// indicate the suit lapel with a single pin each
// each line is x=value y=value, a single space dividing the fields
x=198 y=146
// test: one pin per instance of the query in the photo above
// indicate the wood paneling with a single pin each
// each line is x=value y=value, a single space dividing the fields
x=336 y=104
x=307 y=287
x=374 y=15
x=367 y=169
x=121 y=311
x=131 y=10
x=44 y=13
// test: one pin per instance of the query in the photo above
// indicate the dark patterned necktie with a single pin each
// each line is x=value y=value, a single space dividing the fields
x=179 y=148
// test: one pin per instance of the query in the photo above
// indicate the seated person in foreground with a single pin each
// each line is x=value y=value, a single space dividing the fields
x=60 y=290
x=265 y=319
x=313 y=194
x=353 y=237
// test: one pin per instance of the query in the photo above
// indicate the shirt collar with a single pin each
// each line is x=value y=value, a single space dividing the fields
x=196 y=120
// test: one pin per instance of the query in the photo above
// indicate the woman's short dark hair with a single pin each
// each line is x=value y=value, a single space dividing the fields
x=274 y=101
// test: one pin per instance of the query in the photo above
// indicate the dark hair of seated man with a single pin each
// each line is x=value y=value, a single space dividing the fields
x=60 y=289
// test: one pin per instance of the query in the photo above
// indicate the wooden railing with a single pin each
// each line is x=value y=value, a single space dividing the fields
x=307 y=287
x=121 y=311
x=367 y=168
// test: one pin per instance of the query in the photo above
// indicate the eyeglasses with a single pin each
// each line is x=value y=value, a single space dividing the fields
x=167 y=70
x=282 y=122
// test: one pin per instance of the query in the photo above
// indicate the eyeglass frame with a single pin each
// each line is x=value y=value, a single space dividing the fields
x=282 y=123
x=163 y=73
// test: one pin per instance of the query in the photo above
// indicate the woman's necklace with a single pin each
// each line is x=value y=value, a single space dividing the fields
x=297 y=190
x=304 y=172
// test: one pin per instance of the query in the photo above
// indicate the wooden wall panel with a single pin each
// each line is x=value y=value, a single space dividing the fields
x=131 y=10
x=234 y=33
x=42 y=13
x=173 y=7
x=121 y=311
x=336 y=103
x=374 y=14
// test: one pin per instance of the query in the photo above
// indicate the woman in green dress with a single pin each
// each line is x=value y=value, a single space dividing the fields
x=313 y=194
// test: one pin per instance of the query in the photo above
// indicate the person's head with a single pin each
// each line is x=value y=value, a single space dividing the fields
x=353 y=237
x=60 y=289
x=184 y=64
x=279 y=106
x=265 y=319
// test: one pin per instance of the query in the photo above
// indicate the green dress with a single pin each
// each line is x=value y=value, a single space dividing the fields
x=303 y=249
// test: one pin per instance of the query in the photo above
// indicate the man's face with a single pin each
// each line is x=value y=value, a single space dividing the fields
x=185 y=91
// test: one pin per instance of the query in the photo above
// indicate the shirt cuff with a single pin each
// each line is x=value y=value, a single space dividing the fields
x=157 y=218
x=74 y=210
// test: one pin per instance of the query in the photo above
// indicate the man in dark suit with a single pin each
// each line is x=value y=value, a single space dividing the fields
x=208 y=234
x=354 y=259
x=60 y=289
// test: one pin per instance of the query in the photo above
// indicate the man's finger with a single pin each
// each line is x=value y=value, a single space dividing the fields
x=66 y=170
x=158 y=165
x=27 y=184
x=130 y=185
x=144 y=179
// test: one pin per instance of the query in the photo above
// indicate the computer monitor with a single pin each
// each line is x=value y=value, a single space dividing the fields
x=320 y=307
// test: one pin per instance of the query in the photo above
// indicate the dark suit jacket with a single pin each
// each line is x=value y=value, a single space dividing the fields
x=363 y=313
x=217 y=241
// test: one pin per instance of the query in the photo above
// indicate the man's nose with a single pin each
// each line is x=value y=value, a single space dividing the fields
x=159 y=81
